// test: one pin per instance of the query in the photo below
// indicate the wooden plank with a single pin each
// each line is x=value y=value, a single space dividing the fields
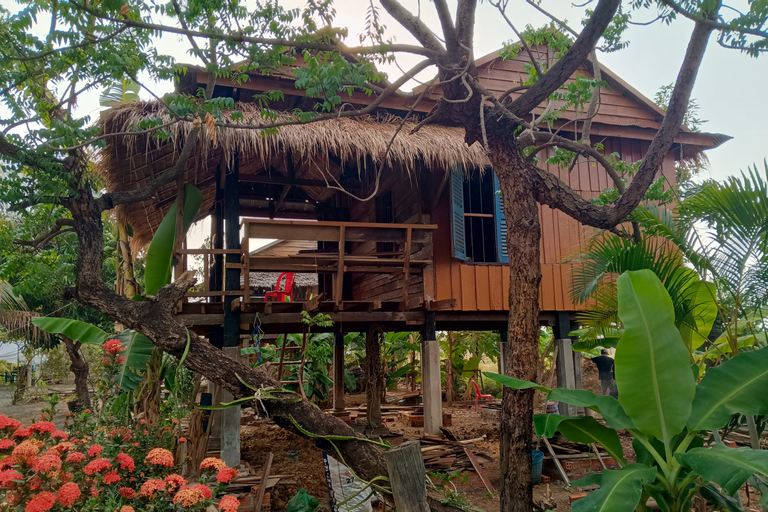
x=505 y=279
x=496 y=285
x=482 y=288
x=557 y=462
x=438 y=305
x=468 y=297
x=264 y=480
x=479 y=469
x=313 y=304
x=374 y=305
x=246 y=265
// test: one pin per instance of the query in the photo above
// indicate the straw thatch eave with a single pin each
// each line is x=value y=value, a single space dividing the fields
x=129 y=162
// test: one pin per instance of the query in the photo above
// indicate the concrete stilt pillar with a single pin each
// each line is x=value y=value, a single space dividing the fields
x=230 y=422
x=503 y=346
x=338 y=371
x=565 y=374
x=430 y=377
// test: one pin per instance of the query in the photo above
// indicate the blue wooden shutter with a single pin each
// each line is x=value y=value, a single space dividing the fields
x=501 y=222
x=457 y=213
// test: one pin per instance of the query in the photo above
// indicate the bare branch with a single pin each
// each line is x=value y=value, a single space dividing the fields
x=191 y=39
x=564 y=68
x=711 y=22
x=120 y=134
x=503 y=11
x=415 y=26
x=87 y=42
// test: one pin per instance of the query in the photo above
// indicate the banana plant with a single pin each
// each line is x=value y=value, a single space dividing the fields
x=666 y=408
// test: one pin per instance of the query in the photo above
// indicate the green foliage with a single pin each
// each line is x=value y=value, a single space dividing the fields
x=670 y=414
x=138 y=353
x=74 y=329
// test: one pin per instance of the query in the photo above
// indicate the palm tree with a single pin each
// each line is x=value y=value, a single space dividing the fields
x=723 y=271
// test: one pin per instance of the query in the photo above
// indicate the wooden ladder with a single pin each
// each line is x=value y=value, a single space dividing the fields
x=285 y=348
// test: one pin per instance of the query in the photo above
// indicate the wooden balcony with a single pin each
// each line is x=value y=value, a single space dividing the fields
x=353 y=250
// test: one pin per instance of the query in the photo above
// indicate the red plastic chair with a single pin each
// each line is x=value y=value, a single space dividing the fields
x=284 y=293
x=479 y=395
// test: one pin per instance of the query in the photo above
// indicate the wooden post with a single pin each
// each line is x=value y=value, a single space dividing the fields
x=407 y=266
x=408 y=477
x=430 y=377
x=338 y=371
x=245 y=246
x=564 y=369
x=339 y=284
x=449 y=382
x=374 y=376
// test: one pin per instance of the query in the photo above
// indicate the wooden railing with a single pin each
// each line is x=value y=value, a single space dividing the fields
x=336 y=262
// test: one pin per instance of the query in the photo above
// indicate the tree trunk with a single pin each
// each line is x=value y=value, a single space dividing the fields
x=374 y=376
x=450 y=384
x=148 y=401
x=523 y=236
x=78 y=366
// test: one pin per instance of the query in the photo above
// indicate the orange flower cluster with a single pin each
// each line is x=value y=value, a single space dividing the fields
x=68 y=494
x=188 y=497
x=229 y=504
x=97 y=466
x=160 y=457
x=212 y=463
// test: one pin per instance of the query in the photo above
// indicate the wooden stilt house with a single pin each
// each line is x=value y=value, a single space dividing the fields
x=410 y=238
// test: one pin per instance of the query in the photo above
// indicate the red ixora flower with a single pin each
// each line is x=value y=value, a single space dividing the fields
x=6 y=444
x=160 y=457
x=113 y=346
x=46 y=462
x=174 y=481
x=59 y=434
x=9 y=423
x=25 y=450
x=42 y=426
x=125 y=461
x=212 y=463
x=226 y=474
x=41 y=502
x=127 y=492
x=7 y=477
x=204 y=489
x=151 y=486
x=127 y=508
x=94 y=451
x=22 y=432
x=120 y=360
x=106 y=361
x=68 y=494
x=75 y=457
x=96 y=465
x=188 y=497
x=7 y=462
x=229 y=504
x=111 y=478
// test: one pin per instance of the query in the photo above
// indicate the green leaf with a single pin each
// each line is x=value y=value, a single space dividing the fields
x=721 y=501
x=620 y=489
x=607 y=406
x=157 y=272
x=653 y=374
x=727 y=467
x=702 y=315
x=349 y=380
x=126 y=91
x=138 y=352
x=73 y=329
x=736 y=386
x=513 y=383
x=584 y=430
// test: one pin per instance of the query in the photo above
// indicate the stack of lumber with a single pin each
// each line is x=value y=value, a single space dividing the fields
x=445 y=455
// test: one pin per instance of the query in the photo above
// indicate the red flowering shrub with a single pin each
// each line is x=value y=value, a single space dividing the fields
x=106 y=462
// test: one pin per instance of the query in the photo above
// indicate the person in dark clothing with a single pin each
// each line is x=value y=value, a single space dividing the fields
x=604 y=365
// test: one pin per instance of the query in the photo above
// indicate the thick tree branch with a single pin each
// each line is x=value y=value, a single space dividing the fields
x=56 y=230
x=415 y=26
x=465 y=23
x=564 y=68
x=449 y=30
x=112 y=199
x=553 y=192
x=712 y=22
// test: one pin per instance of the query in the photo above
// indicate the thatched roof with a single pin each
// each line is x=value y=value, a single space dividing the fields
x=130 y=162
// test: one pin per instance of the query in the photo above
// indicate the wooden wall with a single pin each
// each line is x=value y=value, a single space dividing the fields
x=484 y=286
x=407 y=209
